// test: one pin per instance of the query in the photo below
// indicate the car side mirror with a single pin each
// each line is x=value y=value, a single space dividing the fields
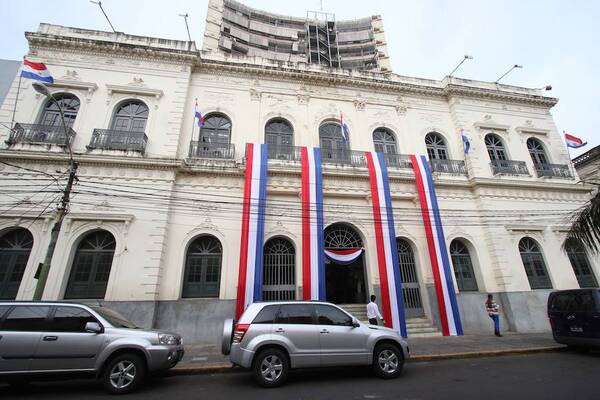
x=355 y=323
x=94 y=327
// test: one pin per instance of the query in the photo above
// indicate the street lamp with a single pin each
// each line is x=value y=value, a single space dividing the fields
x=465 y=58
x=62 y=209
x=507 y=72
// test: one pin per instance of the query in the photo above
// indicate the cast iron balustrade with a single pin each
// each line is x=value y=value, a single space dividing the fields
x=211 y=150
x=456 y=167
x=40 y=134
x=343 y=157
x=553 y=170
x=509 y=167
x=283 y=152
x=111 y=139
x=397 y=161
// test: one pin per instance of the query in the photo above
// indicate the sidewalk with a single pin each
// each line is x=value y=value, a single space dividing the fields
x=208 y=358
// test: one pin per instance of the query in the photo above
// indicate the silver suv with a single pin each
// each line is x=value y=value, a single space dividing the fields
x=40 y=339
x=272 y=337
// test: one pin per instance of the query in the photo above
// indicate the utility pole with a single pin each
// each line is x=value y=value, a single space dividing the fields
x=60 y=216
x=63 y=209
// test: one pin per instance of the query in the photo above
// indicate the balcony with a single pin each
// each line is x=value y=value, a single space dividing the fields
x=400 y=161
x=284 y=153
x=553 y=171
x=509 y=167
x=40 y=134
x=343 y=157
x=456 y=167
x=110 y=139
x=224 y=151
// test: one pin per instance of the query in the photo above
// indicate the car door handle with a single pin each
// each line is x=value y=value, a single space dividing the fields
x=324 y=331
x=50 y=338
x=570 y=317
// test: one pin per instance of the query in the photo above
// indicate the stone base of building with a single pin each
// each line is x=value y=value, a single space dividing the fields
x=201 y=320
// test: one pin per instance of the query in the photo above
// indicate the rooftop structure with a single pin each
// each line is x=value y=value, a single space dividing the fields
x=235 y=29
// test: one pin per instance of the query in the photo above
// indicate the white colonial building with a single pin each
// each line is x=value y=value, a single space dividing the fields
x=154 y=222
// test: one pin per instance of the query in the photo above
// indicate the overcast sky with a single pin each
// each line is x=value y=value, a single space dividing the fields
x=556 y=41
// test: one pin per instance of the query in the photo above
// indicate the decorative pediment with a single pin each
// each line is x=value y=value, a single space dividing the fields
x=89 y=87
x=528 y=130
x=525 y=228
x=135 y=90
x=490 y=125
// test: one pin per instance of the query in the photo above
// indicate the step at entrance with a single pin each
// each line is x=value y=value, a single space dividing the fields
x=416 y=327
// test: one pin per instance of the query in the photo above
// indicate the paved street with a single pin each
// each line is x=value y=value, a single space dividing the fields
x=538 y=376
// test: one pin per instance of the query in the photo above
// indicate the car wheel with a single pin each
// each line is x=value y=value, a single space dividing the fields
x=388 y=361
x=271 y=367
x=123 y=374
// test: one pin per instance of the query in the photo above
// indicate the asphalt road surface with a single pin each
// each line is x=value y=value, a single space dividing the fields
x=564 y=375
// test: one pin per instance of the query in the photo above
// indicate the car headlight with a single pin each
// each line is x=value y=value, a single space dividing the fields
x=167 y=339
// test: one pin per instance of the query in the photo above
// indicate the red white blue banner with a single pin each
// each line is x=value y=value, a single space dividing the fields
x=37 y=71
x=253 y=227
x=313 y=262
x=436 y=243
x=573 y=141
x=344 y=256
x=385 y=238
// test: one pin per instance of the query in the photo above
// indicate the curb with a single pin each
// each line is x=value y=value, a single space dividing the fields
x=228 y=368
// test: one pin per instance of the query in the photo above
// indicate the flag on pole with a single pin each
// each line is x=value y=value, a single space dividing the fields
x=36 y=71
x=573 y=141
x=345 y=129
x=466 y=141
x=198 y=116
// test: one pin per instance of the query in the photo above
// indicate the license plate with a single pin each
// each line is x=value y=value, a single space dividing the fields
x=576 y=329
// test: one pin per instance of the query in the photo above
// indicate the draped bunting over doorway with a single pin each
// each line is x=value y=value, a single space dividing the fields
x=253 y=227
x=345 y=256
x=438 y=252
x=385 y=238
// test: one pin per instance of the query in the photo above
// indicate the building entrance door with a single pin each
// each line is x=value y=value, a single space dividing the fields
x=345 y=284
x=411 y=291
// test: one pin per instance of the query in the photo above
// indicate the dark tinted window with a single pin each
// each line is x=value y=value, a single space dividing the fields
x=70 y=319
x=582 y=301
x=3 y=310
x=560 y=302
x=266 y=315
x=327 y=315
x=26 y=318
x=295 y=314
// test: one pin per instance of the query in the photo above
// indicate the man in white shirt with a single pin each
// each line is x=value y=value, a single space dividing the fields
x=373 y=311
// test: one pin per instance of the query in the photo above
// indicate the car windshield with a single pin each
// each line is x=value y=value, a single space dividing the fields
x=114 y=318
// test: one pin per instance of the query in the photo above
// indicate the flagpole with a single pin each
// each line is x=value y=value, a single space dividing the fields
x=12 y=121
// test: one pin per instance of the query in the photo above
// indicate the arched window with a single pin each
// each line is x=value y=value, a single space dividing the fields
x=411 y=289
x=342 y=236
x=15 y=247
x=463 y=267
x=130 y=116
x=436 y=146
x=203 y=268
x=51 y=114
x=536 y=151
x=495 y=147
x=534 y=264
x=216 y=129
x=384 y=141
x=333 y=146
x=581 y=266
x=91 y=266
x=279 y=270
x=279 y=135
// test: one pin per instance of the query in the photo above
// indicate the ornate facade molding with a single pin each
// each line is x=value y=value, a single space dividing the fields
x=134 y=90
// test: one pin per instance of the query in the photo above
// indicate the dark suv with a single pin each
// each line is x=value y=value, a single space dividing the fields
x=575 y=317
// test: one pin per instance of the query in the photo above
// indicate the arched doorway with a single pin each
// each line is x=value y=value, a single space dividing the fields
x=345 y=284
x=411 y=290
x=279 y=270
x=15 y=247
x=203 y=268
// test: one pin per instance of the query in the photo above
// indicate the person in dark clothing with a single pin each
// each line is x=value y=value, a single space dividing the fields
x=493 y=311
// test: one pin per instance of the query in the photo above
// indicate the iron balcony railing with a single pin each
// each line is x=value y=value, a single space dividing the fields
x=343 y=157
x=553 y=170
x=211 y=150
x=40 y=134
x=509 y=167
x=111 y=139
x=456 y=167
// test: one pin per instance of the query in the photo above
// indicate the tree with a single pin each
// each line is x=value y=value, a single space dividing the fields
x=586 y=225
